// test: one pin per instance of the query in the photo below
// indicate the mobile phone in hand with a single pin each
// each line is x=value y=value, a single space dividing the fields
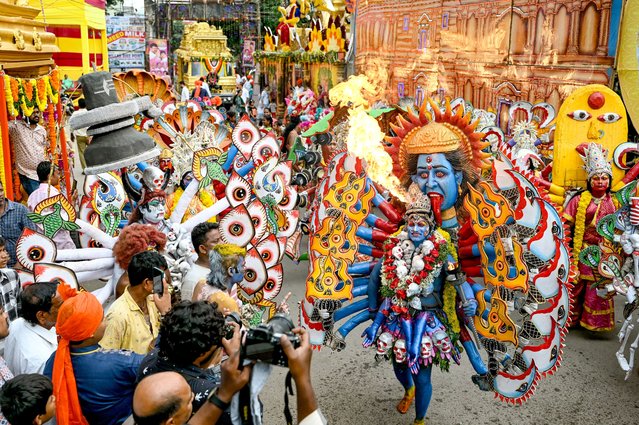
x=158 y=281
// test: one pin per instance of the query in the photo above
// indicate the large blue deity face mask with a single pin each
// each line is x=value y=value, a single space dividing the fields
x=418 y=229
x=435 y=174
x=237 y=273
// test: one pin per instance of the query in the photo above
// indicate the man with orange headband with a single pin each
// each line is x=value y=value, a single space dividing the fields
x=91 y=385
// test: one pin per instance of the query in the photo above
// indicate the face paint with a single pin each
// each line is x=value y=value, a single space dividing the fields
x=599 y=184
x=153 y=212
x=437 y=178
x=418 y=229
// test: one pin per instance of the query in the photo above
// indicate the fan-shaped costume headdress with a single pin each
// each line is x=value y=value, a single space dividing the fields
x=434 y=131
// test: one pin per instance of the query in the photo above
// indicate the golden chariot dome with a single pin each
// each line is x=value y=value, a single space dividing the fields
x=26 y=48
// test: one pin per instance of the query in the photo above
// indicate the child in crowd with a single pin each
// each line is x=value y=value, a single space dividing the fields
x=4 y=254
x=28 y=399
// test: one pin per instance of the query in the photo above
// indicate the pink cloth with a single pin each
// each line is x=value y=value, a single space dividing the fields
x=589 y=309
x=62 y=239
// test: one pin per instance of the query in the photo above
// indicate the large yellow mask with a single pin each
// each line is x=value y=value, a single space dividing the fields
x=593 y=113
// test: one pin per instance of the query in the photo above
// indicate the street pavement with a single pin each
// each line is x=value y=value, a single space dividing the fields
x=351 y=388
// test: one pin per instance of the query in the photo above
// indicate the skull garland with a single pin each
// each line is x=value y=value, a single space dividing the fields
x=384 y=345
x=427 y=353
x=443 y=344
x=400 y=351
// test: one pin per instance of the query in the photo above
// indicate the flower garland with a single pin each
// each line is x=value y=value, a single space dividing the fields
x=27 y=100
x=22 y=96
x=9 y=95
x=53 y=139
x=403 y=288
x=41 y=89
x=53 y=88
x=301 y=56
x=580 y=225
x=450 y=292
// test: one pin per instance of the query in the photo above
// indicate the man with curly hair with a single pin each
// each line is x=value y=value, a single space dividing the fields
x=190 y=343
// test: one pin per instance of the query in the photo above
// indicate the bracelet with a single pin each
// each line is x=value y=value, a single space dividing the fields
x=215 y=400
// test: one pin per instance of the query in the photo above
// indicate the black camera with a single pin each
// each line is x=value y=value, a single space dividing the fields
x=229 y=329
x=262 y=343
x=322 y=138
x=302 y=178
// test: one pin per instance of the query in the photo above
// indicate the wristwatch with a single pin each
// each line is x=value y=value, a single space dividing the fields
x=215 y=400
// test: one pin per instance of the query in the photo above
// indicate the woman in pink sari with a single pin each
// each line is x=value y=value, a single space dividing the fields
x=593 y=306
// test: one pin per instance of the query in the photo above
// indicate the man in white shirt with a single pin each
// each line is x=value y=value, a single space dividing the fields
x=30 y=142
x=205 y=86
x=184 y=93
x=204 y=236
x=32 y=338
x=264 y=103
x=46 y=190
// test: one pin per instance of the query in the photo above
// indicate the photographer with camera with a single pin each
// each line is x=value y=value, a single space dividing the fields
x=234 y=379
x=190 y=344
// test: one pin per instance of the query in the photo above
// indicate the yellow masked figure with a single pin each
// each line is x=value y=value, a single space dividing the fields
x=592 y=113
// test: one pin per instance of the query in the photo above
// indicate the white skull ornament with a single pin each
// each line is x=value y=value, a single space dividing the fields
x=408 y=248
x=442 y=342
x=153 y=178
x=400 y=351
x=397 y=252
x=384 y=343
x=427 y=347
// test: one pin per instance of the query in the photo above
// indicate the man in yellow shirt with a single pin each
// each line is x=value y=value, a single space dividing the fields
x=133 y=321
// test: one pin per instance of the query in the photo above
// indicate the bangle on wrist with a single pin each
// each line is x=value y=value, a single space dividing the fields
x=215 y=400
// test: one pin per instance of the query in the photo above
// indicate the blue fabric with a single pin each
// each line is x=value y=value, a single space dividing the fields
x=12 y=222
x=28 y=184
x=106 y=380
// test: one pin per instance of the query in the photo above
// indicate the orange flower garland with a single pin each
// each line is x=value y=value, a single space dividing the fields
x=23 y=96
x=27 y=100
x=41 y=97
x=53 y=140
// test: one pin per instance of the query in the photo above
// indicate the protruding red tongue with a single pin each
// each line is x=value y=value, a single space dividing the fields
x=436 y=204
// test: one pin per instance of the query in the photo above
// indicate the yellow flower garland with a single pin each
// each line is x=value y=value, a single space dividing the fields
x=450 y=293
x=11 y=110
x=580 y=225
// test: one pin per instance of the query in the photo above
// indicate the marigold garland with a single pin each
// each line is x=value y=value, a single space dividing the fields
x=22 y=96
x=11 y=110
x=27 y=103
x=580 y=225
x=53 y=139
x=450 y=292
x=41 y=89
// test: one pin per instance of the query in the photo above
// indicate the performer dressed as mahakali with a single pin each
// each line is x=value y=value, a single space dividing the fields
x=593 y=306
x=418 y=311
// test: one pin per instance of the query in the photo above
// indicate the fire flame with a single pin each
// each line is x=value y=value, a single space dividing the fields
x=364 y=140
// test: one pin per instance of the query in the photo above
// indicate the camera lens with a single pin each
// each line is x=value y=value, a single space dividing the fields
x=312 y=158
x=322 y=139
x=233 y=317
x=280 y=323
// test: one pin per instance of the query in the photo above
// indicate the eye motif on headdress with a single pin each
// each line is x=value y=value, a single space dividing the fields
x=236 y=227
x=245 y=135
x=238 y=190
x=47 y=272
x=33 y=247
